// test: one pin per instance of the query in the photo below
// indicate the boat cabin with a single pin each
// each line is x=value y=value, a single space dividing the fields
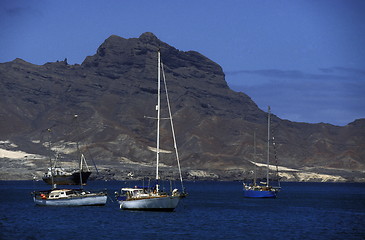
x=136 y=192
x=63 y=193
x=57 y=171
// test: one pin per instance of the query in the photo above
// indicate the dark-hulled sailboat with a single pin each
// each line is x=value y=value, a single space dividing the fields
x=71 y=177
x=61 y=176
x=67 y=196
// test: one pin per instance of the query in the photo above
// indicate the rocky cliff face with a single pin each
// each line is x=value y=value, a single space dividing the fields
x=114 y=90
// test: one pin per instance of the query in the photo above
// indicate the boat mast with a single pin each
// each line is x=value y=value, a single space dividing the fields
x=268 y=146
x=254 y=157
x=78 y=150
x=158 y=115
x=50 y=159
x=172 y=127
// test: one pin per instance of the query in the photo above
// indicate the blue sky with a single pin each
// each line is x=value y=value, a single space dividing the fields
x=304 y=58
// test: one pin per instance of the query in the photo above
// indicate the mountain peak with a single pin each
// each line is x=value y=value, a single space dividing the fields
x=148 y=37
x=118 y=50
x=114 y=41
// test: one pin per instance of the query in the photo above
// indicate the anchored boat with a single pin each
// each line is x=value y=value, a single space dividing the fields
x=149 y=199
x=64 y=177
x=69 y=197
x=61 y=176
x=153 y=198
x=263 y=189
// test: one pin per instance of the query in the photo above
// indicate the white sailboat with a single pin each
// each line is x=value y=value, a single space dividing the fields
x=69 y=197
x=153 y=199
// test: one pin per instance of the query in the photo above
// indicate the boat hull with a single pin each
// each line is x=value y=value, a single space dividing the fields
x=73 y=179
x=97 y=200
x=259 y=194
x=168 y=204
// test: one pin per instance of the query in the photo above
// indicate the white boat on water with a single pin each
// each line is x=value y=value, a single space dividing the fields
x=69 y=197
x=148 y=199
x=152 y=198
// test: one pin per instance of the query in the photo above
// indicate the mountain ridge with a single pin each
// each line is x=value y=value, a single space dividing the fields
x=113 y=90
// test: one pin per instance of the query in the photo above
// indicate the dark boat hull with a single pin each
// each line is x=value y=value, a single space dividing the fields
x=73 y=179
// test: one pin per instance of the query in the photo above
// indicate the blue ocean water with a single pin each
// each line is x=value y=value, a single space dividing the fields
x=213 y=210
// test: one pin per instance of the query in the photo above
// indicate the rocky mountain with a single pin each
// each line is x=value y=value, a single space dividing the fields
x=114 y=90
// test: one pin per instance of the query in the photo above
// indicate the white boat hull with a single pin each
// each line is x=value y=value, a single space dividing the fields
x=75 y=201
x=168 y=203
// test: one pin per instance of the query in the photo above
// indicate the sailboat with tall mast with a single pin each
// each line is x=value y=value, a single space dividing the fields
x=61 y=176
x=263 y=190
x=153 y=198
x=66 y=196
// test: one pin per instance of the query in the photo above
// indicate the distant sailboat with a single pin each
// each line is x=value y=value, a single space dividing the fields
x=152 y=198
x=60 y=176
x=68 y=197
x=262 y=190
